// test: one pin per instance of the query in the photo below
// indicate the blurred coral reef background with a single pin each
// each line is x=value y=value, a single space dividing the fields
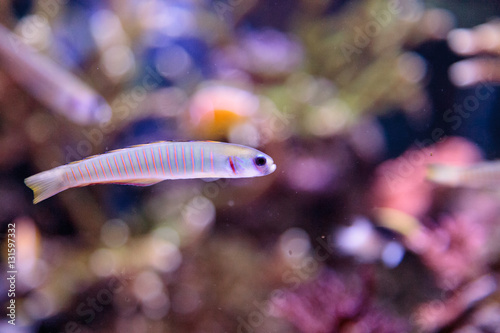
x=352 y=99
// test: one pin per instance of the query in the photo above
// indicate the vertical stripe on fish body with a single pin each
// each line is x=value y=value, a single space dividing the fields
x=151 y=163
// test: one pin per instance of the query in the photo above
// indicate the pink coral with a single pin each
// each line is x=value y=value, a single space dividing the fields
x=330 y=304
x=400 y=183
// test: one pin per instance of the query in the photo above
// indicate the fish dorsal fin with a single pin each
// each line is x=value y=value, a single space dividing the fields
x=137 y=146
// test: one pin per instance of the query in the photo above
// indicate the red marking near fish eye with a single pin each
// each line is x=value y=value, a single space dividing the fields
x=81 y=173
x=212 y=160
x=153 y=158
x=124 y=166
x=201 y=159
x=192 y=157
x=117 y=168
x=168 y=160
x=73 y=171
x=161 y=161
x=146 y=160
x=139 y=162
x=95 y=169
x=109 y=165
x=90 y=177
x=103 y=172
x=175 y=157
x=231 y=163
x=131 y=164
x=183 y=160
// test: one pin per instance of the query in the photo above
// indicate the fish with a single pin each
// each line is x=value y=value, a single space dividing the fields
x=479 y=175
x=55 y=87
x=148 y=164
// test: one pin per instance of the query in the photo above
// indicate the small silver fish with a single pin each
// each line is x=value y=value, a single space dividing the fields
x=152 y=163
x=480 y=175
x=52 y=85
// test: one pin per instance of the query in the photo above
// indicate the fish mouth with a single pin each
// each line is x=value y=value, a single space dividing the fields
x=272 y=168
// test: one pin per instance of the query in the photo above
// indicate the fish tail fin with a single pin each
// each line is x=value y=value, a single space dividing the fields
x=444 y=174
x=46 y=184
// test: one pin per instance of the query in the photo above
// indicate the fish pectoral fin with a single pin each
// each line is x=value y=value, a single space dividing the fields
x=137 y=182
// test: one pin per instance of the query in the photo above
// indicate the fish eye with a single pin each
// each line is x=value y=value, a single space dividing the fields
x=260 y=161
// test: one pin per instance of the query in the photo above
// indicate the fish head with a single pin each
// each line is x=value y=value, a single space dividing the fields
x=252 y=163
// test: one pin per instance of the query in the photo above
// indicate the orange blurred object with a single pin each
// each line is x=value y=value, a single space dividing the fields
x=215 y=109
